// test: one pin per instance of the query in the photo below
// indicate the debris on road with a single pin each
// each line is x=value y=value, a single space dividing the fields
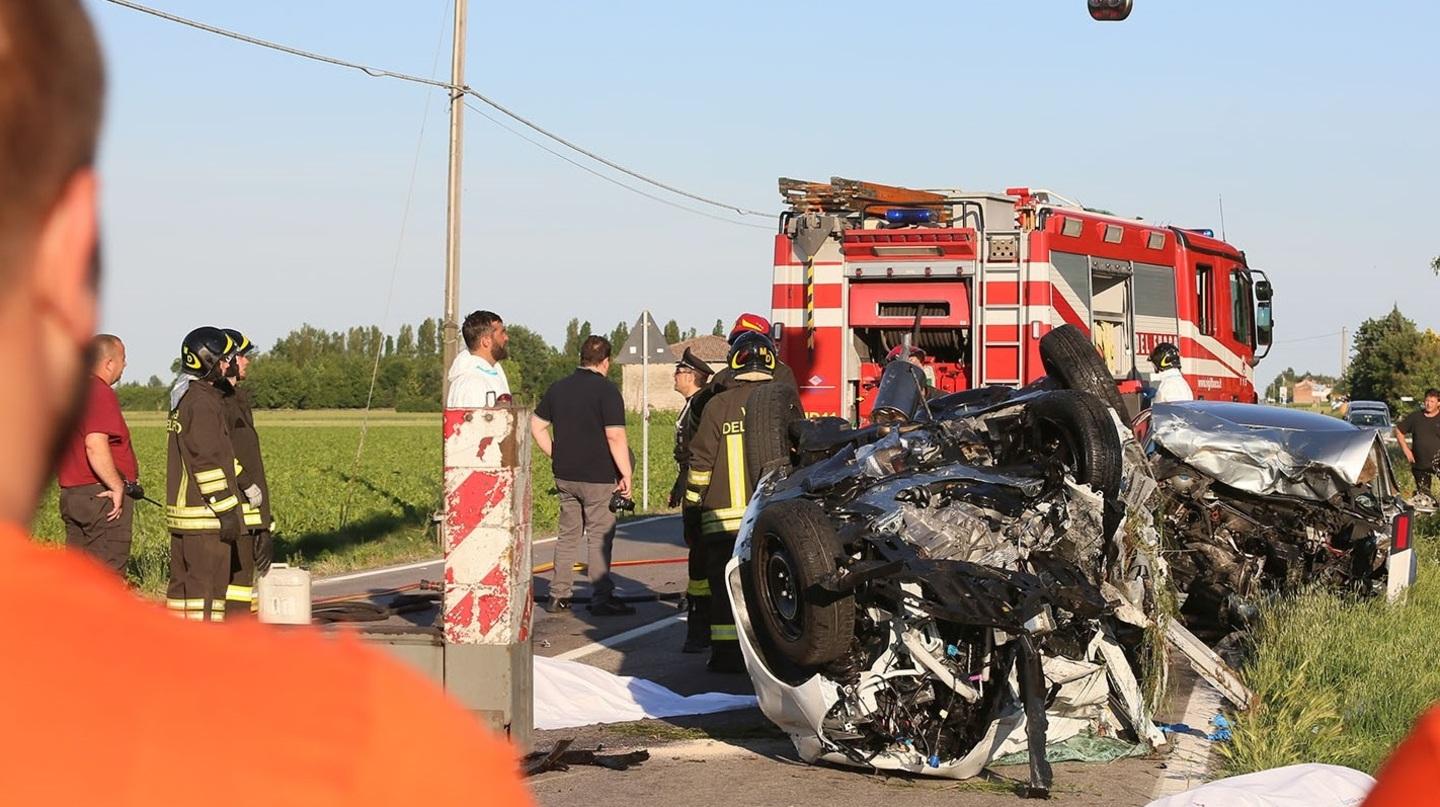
x=561 y=757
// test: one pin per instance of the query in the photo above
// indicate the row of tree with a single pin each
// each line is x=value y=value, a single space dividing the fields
x=311 y=368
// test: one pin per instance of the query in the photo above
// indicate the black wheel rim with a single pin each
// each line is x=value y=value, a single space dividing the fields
x=782 y=592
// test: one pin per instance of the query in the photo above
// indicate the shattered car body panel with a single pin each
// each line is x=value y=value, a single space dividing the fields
x=979 y=598
x=1263 y=499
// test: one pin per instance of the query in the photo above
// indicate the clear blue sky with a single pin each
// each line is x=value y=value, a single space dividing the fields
x=249 y=188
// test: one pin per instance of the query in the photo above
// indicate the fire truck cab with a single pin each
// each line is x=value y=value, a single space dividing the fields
x=987 y=275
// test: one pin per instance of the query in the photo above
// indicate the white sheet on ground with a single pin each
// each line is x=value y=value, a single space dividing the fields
x=569 y=694
x=1309 y=785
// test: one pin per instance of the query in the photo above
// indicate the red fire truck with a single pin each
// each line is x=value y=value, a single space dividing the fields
x=988 y=274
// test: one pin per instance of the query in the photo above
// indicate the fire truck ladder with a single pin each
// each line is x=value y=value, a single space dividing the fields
x=1000 y=309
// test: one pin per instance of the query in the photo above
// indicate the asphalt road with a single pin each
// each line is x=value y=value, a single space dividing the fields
x=646 y=644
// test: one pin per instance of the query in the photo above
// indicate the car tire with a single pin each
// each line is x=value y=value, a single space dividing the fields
x=1078 y=423
x=770 y=410
x=1069 y=357
x=793 y=548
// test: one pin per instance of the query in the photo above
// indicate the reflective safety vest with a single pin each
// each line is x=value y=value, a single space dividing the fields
x=201 y=469
x=717 y=481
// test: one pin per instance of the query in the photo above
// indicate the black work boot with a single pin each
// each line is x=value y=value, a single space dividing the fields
x=725 y=657
x=697 y=625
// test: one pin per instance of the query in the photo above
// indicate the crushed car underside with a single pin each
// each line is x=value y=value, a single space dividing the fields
x=970 y=577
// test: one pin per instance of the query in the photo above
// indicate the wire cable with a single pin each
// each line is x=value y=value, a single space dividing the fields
x=583 y=167
x=1308 y=338
x=377 y=72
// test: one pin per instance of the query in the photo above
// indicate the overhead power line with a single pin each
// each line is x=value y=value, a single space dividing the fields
x=583 y=167
x=1308 y=338
x=377 y=72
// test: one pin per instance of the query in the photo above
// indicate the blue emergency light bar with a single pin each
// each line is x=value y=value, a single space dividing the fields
x=909 y=215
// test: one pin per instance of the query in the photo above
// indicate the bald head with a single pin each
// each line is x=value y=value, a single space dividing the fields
x=108 y=354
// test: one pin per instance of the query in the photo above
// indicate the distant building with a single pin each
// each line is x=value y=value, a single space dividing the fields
x=661 y=379
x=1310 y=391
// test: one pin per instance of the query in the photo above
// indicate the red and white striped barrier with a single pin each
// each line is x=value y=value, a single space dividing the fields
x=488 y=588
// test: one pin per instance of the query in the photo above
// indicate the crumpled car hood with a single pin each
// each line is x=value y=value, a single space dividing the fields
x=1267 y=450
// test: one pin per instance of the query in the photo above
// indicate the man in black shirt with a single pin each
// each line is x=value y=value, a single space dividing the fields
x=591 y=459
x=1423 y=430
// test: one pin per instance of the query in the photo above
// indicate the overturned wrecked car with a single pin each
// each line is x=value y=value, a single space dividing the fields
x=968 y=577
x=1259 y=499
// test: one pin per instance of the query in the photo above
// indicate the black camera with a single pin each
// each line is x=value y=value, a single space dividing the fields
x=619 y=501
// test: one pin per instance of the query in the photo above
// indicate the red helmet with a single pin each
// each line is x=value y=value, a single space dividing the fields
x=749 y=322
x=899 y=352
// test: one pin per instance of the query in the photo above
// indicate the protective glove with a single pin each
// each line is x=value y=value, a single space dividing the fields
x=677 y=492
x=254 y=496
x=232 y=524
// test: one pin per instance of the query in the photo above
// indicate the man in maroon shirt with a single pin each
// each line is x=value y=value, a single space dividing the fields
x=97 y=462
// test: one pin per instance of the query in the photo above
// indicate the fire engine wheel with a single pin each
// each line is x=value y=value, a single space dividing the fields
x=1070 y=358
x=768 y=415
x=1073 y=428
x=793 y=548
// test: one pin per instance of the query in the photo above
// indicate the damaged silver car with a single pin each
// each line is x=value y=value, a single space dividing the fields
x=1261 y=499
x=968 y=577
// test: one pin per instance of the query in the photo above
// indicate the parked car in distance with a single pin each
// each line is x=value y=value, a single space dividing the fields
x=1372 y=415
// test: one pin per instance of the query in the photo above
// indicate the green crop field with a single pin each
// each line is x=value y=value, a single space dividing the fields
x=333 y=514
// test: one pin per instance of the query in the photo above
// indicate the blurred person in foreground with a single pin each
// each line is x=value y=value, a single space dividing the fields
x=98 y=465
x=151 y=702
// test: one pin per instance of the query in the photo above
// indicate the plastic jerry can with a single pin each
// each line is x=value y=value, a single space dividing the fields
x=284 y=595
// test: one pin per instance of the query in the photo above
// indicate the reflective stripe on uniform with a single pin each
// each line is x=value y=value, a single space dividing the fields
x=239 y=593
x=735 y=465
x=213 y=487
x=224 y=505
x=699 y=478
x=726 y=520
x=724 y=633
x=692 y=496
x=698 y=588
x=210 y=476
x=201 y=519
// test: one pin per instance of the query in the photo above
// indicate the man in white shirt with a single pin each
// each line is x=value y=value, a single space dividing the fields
x=1170 y=384
x=476 y=377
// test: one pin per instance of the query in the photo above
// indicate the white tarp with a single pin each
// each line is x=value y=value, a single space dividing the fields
x=1309 y=785
x=570 y=694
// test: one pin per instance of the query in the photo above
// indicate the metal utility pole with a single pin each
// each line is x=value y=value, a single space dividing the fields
x=451 y=325
x=1344 y=352
x=644 y=412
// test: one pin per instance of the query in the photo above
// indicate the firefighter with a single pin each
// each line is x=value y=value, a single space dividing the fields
x=1170 y=384
x=691 y=374
x=254 y=550
x=202 y=493
x=720 y=487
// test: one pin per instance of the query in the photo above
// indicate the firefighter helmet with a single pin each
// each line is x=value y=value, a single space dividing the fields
x=1165 y=356
x=749 y=323
x=203 y=349
x=752 y=357
x=243 y=345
